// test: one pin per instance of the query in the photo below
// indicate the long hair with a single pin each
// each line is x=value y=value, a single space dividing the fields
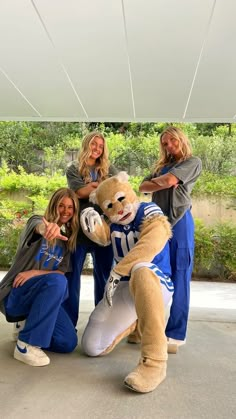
x=52 y=214
x=102 y=163
x=165 y=157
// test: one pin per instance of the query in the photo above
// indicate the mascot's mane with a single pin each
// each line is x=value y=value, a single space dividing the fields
x=121 y=177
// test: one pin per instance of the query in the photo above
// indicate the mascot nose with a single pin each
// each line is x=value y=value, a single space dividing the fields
x=120 y=212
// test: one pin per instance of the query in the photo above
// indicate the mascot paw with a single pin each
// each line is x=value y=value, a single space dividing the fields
x=146 y=376
x=89 y=218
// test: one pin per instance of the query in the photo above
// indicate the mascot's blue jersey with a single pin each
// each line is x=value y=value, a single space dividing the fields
x=124 y=237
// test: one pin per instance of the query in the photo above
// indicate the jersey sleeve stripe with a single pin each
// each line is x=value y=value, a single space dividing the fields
x=152 y=210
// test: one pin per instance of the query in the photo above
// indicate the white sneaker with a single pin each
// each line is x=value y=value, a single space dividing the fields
x=17 y=327
x=176 y=341
x=31 y=355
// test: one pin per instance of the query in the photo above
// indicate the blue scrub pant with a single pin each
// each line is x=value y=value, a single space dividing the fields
x=181 y=257
x=102 y=265
x=47 y=324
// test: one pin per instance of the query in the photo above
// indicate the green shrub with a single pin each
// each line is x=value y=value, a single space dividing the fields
x=225 y=249
x=135 y=182
x=9 y=208
x=213 y=184
x=11 y=181
x=217 y=152
x=9 y=236
x=204 y=247
x=215 y=250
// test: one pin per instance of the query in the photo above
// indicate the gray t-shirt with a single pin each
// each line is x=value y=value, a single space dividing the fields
x=33 y=252
x=76 y=181
x=174 y=202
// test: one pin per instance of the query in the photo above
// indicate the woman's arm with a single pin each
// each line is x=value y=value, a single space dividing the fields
x=158 y=183
x=76 y=182
x=84 y=192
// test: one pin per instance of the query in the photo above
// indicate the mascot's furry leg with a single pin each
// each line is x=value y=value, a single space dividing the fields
x=151 y=370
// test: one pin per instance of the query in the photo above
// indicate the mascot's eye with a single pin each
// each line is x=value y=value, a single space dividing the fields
x=107 y=204
x=121 y=198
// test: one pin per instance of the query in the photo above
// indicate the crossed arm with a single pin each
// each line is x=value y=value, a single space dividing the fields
x=158 y=183
x=85 y=191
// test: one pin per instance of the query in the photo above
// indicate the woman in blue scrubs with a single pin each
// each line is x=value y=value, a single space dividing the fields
x=83 y=177
x=171 y=184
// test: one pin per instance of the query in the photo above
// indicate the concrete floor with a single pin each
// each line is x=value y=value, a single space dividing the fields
x=200 y=383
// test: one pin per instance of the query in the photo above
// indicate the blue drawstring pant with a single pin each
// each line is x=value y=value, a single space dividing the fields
x=102 y=265
x=181 y=256
x=47 y=325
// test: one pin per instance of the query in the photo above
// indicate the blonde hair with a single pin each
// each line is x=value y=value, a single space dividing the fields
x=102 y=163
x=165 y=157
x=52 y=215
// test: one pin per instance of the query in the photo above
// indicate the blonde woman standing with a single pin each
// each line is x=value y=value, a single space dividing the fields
x=171 y=184
x=84 y=176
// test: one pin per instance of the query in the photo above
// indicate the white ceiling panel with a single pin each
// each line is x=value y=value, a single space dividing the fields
x=89 y=37
x=118 y=60
x=213 y=94
x=30 y=62
x=164 y=44
x=11 y=100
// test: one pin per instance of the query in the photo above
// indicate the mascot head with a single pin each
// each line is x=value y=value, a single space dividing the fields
x=117 y=199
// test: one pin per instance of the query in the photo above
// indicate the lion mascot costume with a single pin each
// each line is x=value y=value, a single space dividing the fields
x=139 y=286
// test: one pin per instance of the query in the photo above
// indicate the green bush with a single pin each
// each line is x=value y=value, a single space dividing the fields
x=225 y=249
x=204 y=247
x=9 y=208
x=11 y=181
x=215 y=250
x=9 y=236
x=217 y=152
x=213 y=184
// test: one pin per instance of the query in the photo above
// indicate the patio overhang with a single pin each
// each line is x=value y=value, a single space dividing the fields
x=118 y=60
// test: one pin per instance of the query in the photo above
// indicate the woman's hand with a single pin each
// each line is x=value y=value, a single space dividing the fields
x=94 y=185
x=50 y=231
x=22 y=277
